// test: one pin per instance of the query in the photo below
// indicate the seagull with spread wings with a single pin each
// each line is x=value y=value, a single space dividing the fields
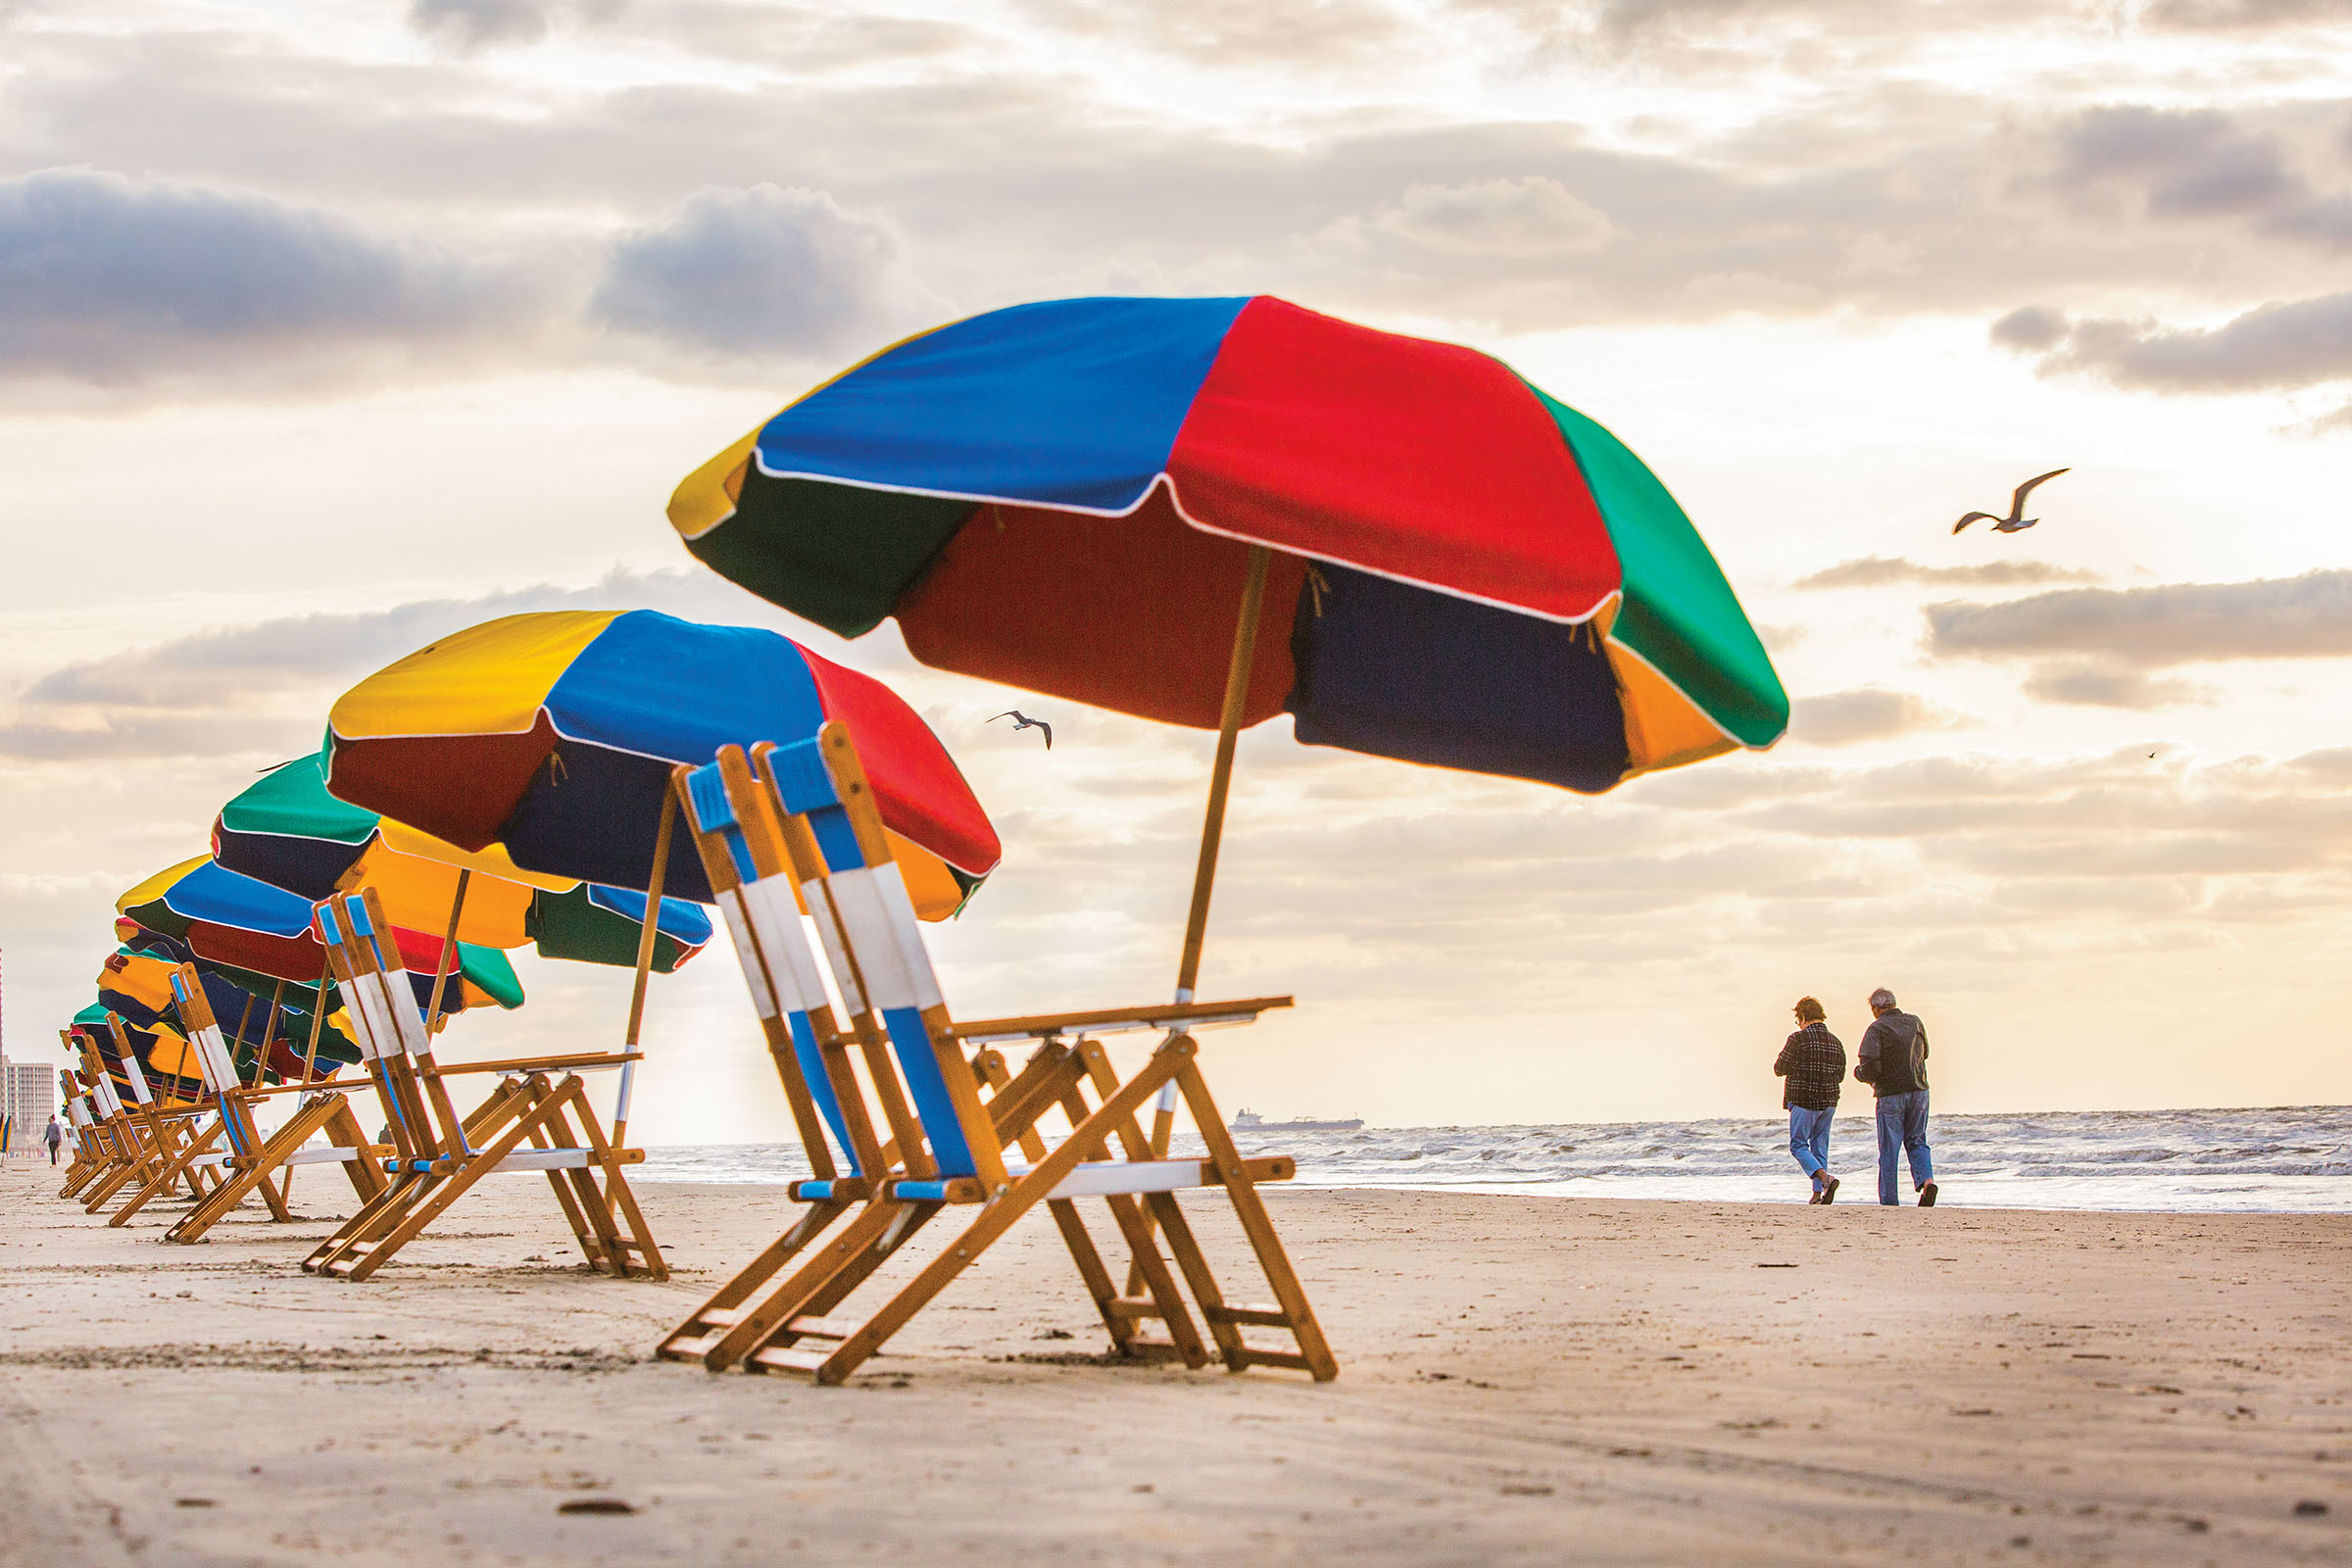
x=1022 y=721
x=2017 y=518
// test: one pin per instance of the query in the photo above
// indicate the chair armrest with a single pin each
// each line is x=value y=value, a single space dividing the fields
x=1113 y=1020
x=601 y=1058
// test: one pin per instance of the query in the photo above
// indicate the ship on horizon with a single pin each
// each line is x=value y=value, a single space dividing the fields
x=1249 y=1121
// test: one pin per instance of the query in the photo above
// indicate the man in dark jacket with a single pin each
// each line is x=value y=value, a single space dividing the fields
x=1813 y=1063
x=1893 y=1060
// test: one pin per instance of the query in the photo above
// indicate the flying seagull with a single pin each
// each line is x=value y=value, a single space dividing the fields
x=2017 y=518
x=1022 y=721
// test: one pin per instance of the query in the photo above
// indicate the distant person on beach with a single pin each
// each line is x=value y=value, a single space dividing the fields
x=1893 y=1060
x=55 y=1136
x=1813 y=1064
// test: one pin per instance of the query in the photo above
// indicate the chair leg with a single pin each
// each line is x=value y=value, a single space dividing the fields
x=833 y=1363
x=1314 y=1351
x=364 y=1258
x=216 y=1205
x=172 y=1170
x=698 y=1337
x=617 y=1206
x=822 y=1282
x=407 y=1188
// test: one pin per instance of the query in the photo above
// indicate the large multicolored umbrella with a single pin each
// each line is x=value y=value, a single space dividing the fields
x=1459 y=569
x=552 y=736
x=231 y=919
x=1211 y=511
x=286 y=830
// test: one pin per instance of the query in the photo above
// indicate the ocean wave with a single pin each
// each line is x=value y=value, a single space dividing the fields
x=2297 y=1158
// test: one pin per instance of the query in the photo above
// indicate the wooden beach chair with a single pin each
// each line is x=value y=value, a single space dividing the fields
x=91 y=1155
x=99 y=1149
x=231 y=1134
x=138 y=1133
x=809 y=807
x=166 y=1122
x=325 y=1110
x=538 y=1119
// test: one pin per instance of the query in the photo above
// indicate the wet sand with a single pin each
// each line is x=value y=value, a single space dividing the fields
x=1524 y=1380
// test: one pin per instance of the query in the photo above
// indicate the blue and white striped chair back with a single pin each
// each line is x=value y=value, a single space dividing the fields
x=779 y=967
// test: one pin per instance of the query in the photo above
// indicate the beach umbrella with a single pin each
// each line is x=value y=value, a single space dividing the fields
x=263 y=1021
x=254 y=1009
x=285 y=829
x=230 y=919
x=1209 y=512
x=163 y=1055
x=553 y=736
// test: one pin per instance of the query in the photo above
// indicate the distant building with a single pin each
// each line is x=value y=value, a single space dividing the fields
x=28 y=1098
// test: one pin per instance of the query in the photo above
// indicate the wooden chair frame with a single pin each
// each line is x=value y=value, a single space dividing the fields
x=196 y=1159
x=439 y=1156
x=140 y=1134
x=807 y=809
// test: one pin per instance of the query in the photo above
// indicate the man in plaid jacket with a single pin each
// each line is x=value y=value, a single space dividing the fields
x=1813 y=1065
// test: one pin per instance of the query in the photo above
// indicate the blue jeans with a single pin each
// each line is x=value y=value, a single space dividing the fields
x=1904 y=1128
x=1809 y=1140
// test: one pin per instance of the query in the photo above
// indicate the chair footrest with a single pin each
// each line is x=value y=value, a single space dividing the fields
x=825 y=1328
x=792 y=1358
x=1151 y=1350
x=1264 y=1316
x=1290 y=1359
x=1133 y=1306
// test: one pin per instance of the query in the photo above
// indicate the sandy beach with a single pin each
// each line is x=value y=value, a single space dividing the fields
x=1524 y=1380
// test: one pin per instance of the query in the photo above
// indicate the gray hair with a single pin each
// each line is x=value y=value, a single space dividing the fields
x=1882 y=998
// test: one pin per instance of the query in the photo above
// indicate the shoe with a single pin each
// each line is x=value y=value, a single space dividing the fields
x=1926 y=1196
x=1828 y=1193
x=1816 y=1198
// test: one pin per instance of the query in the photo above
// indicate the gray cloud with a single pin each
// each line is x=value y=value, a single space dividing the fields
x=1005 y=181
x=469 y=25
x=1878 y=572
x=2308 y=617
x=261 y=686
x=2236 y=15
x=114 y=280
x=476 y=23
x=2091 y=683
x=2285 y=344
x=757 y=272
x=1226 y=31
x=2196 y=163
x=1870 y=713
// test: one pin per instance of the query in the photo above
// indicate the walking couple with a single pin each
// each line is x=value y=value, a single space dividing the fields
x=1892 y=1060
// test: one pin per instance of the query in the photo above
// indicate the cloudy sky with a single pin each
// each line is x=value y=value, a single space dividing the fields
x=330 y=325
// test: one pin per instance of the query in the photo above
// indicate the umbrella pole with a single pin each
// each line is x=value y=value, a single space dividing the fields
x=309 y=1058
x=647 y=931
x=238 y=1044
x=1212 y=825
x=449 y=950
x=261 y=1053
x=448 y=966
x=1213 y=834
